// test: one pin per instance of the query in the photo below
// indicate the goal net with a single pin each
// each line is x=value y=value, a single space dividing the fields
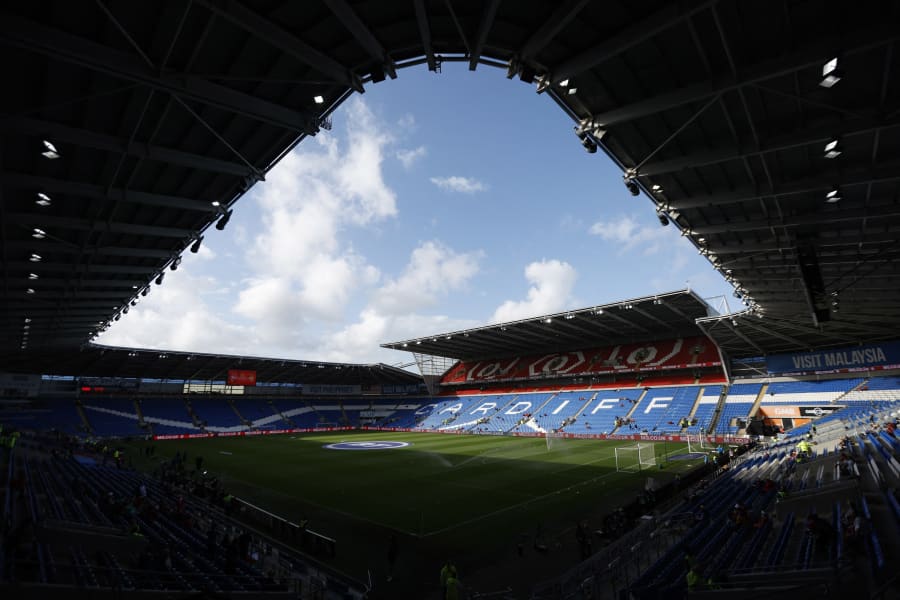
x=699 y=443
x=553 y=438
x=633 y=458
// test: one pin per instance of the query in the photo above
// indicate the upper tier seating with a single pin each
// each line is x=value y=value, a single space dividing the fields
x=816 y=392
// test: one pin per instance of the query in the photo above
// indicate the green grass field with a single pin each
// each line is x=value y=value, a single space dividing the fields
x=440 y=490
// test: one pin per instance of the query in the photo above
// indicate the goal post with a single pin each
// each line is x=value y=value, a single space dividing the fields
x=633 y=458
x=698 y=443
x=552 y=438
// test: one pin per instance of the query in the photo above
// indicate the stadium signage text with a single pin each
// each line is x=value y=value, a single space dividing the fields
x=872 y=355
x=373 y=445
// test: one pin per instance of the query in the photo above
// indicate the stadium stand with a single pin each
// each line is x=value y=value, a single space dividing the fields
x=738 y=403
x=106 y=527
x=661 y=409
x=808 y=392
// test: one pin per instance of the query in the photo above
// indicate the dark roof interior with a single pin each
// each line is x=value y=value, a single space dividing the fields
x=715 y=109
x=664 y=316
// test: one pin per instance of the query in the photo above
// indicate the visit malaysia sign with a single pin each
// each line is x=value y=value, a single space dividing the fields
x=857 y=357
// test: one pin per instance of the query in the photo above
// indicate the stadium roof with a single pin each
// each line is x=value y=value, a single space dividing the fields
x=669 y=315
x=103 y=361
x=123 y=123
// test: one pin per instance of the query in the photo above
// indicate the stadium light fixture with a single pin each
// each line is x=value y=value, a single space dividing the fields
x=630 y=183
x=195 y=247
x=223 y=221
x=145 y=291
x=134 y=302
x=43 y=199
x=663 y=219
x=29 y=291
x=830 y=73
x=656 y=187
x=175 y=263
x=50 y=152
x=33 y=276
x=318 y=99
x=27 y=320
x=38 y=234
x=125 y=310
x=573 y=90
x=216 y=203
x=564 y=83
x=159 y=279
x=834 y=195
x=833 y=148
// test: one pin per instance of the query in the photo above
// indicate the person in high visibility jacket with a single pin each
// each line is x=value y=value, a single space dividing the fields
x=693 y=578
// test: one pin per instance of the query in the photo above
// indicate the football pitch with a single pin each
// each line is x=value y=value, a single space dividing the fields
x=431 y=485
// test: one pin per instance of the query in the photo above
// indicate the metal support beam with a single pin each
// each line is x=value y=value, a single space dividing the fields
x=35 y=183
x=242 y=17
x=363 y=35
x=425 y=34
x=49 y=222
x=819 y=219
x=47 y=247
x=562 y=16
x=669 y=16
x=489 y=12
x=98 y=141
x=798 y=139
x=65 y=47
x=61 y=267
x=813 y=56
x=820 y=182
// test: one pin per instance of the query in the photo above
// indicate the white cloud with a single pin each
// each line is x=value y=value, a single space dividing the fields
x=174 y=316
x=309 y=200
x=433 y=270
x=407 y=121
x=455 y=183
x=409 y=157
x=551 y=291
x=357 y=341
x=630 y=234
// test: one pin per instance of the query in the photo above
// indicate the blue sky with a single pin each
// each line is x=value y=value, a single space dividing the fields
x=437 y=202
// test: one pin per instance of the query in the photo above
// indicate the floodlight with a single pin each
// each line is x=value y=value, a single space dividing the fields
x=834 y=195
x=830 y=73
x=38 y=234
x=35 y=258
x=32 y=276
x=175 y=263
x=145 y=291
x=50 y=152
x=125 y=310
x=318 y=99
x=43 y=199
x=29 y=291
x=663 y=220
x=632 y=186
x=195 y=247
x=833 y=149
x=159 y=279
x=223 y=221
